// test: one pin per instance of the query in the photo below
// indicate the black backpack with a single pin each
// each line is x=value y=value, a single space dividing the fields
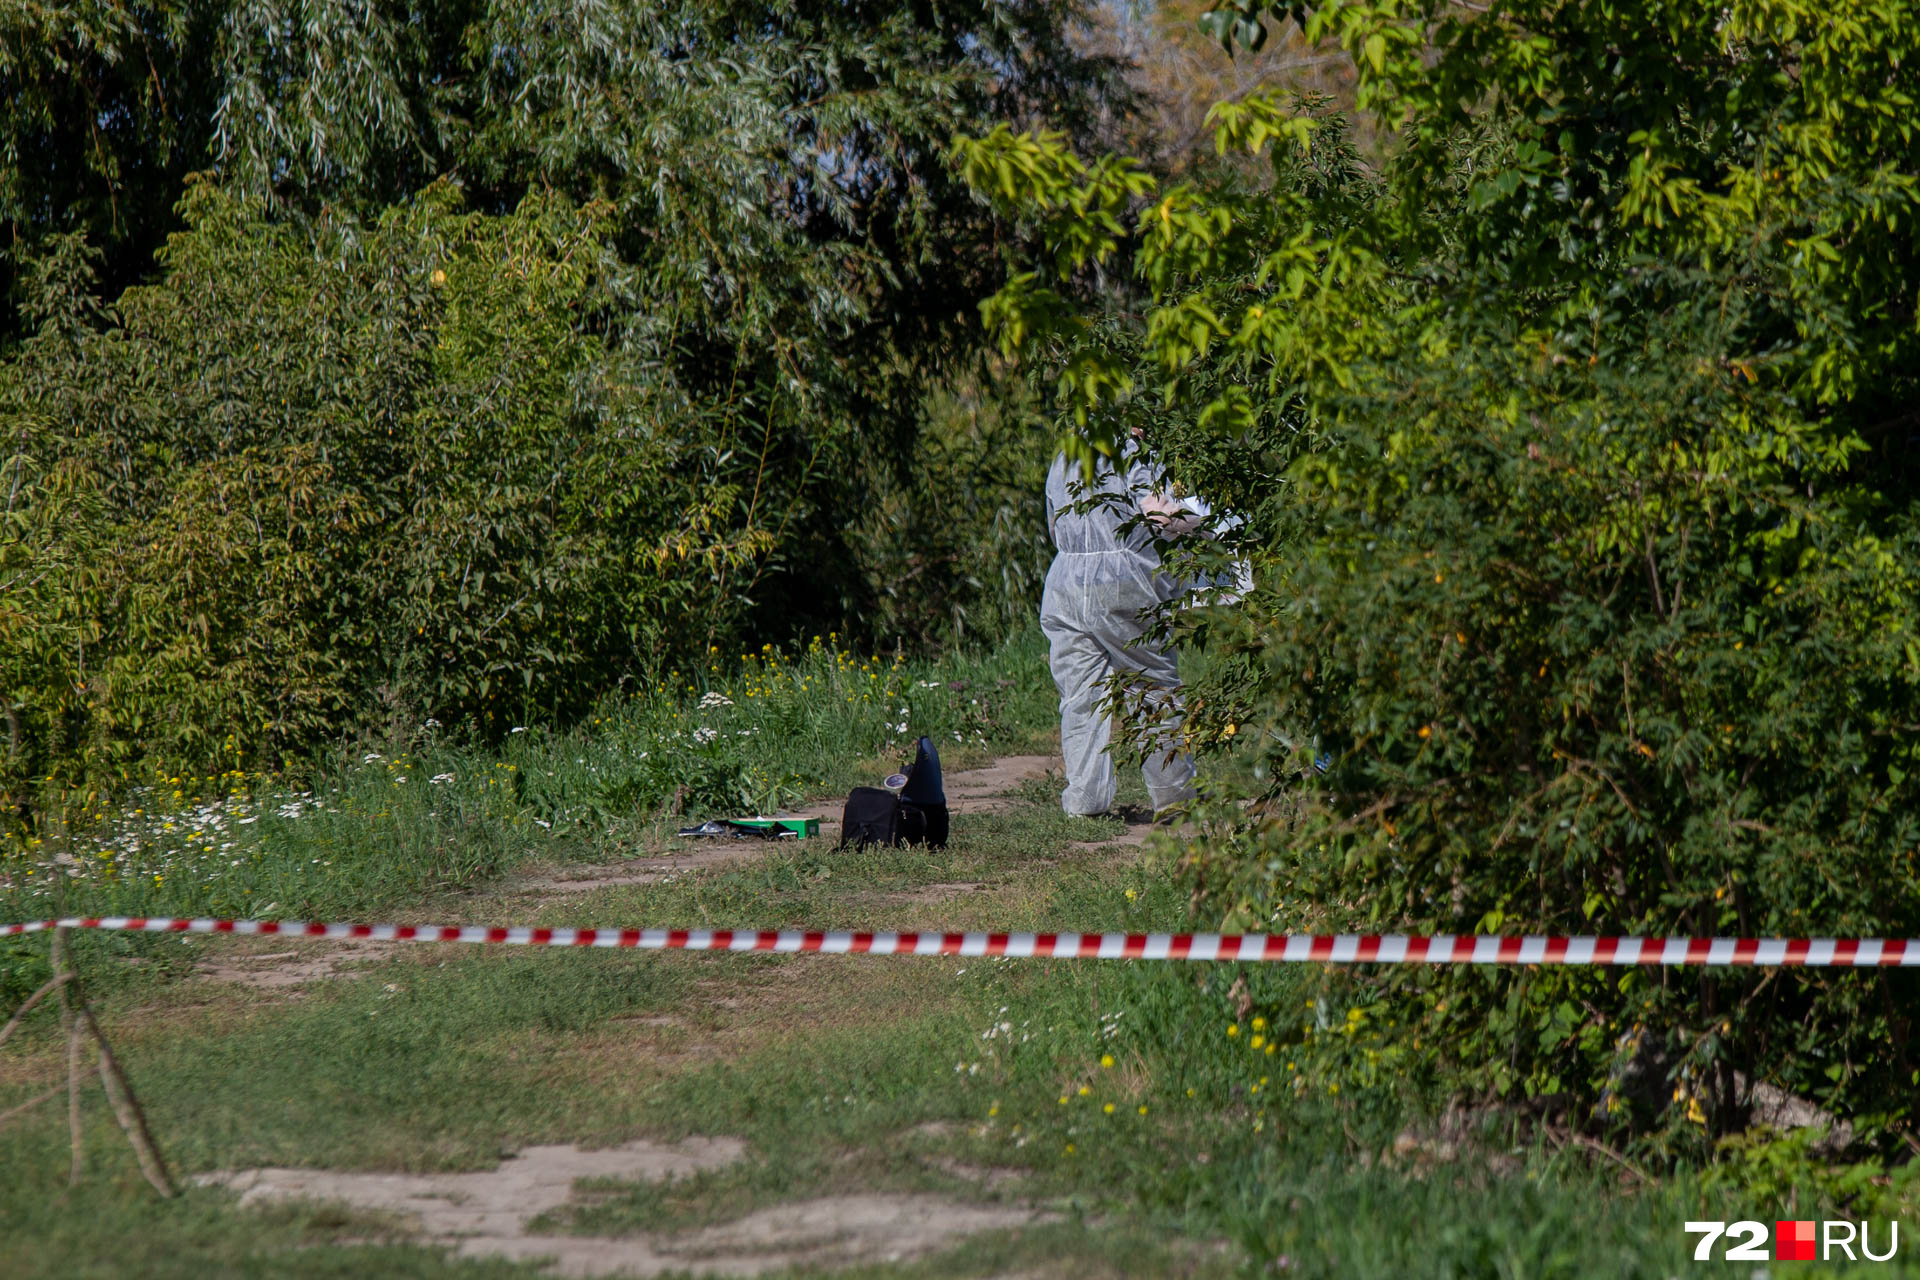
x=918 y=815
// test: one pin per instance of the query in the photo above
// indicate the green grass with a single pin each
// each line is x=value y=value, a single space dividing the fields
x=414 y=823
x=108 y=1231
x=840 y=1073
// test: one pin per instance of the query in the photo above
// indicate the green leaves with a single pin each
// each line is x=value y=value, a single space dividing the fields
x=1034 y=177
x=1210 y=265
x=1581 y=534
x=1258 y=119
x=1235 y=27
x=393 y=505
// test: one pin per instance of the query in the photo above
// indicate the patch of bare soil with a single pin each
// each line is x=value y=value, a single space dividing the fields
x=280 y=970
x=991 y=1177
x=838 y=1231
x=1132 y=838
x=991 y=789
x=945 y=891
x=805 y=993
x=486 y=1214
x=1139 y=829
x=700 y=857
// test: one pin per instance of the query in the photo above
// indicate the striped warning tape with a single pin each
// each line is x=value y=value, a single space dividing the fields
x=1338 y=948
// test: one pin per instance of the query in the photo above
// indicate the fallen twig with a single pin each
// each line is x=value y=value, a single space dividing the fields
x=1581 y=1140
x=29 y=1104
x=59 y=980
x=76 y=1144
x=126 y=1108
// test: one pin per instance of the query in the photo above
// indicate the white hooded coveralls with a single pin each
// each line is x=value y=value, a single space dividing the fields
x=1100 y=582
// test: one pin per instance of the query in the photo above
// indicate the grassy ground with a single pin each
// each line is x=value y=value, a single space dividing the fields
x=1166 y=1118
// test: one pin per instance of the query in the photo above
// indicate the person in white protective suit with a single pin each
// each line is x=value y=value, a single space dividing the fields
x=1102 y=580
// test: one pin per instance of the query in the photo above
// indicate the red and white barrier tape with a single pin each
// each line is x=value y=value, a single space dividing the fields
x=1341 y=948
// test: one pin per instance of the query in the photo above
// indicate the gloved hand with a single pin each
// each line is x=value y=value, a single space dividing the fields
x=1169 y=515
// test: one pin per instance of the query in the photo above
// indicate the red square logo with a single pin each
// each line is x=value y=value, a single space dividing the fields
x=1793 y=1241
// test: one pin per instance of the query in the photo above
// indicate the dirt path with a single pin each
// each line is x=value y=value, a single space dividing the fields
x=270 y=967
x=993 y=788
x=488 y=1214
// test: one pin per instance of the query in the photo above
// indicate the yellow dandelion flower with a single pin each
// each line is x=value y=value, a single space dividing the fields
x=1106 y=1060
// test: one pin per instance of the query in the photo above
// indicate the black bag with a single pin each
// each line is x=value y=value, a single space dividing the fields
x=872 y=816
x=918 y=815
x=923 y=824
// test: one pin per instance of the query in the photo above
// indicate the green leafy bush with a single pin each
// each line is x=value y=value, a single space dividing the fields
x=308 y=484
x=1580 y=517
x=952 y=536
x=1608 y=669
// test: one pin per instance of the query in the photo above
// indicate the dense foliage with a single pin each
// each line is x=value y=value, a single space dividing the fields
x=1573 y=441
x=490 y=355
x=725 y=132
x=286 y=490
